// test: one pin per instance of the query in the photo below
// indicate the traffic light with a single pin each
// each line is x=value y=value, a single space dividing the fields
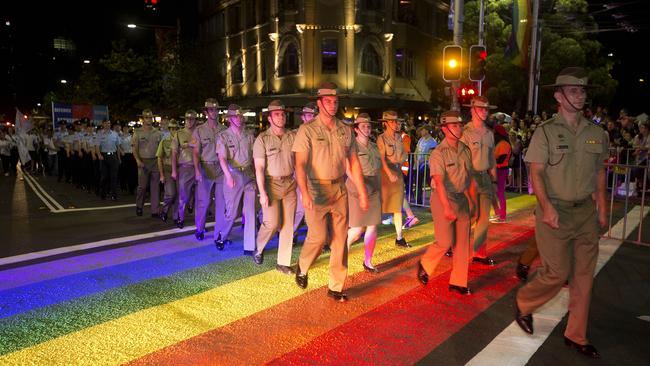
x=452 y=57
x=466 y=93
x=477 y=56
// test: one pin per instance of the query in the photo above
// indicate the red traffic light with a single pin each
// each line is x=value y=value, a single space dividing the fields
x=477 y=59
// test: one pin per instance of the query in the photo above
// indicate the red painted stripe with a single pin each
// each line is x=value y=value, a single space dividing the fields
x=300 y=323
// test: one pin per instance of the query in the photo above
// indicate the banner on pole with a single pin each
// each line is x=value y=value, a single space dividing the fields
x=71 y=112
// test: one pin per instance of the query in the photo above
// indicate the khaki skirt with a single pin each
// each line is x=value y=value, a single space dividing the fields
x=392 y=193
x=357 y=217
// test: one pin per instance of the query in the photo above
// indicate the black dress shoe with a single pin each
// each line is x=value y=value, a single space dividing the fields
x=525 y=322
x=154 y=216
x=370 y=269
x=249 y=253
x=460 y=289
x=163 y=217
x=180 y=224
x=284 y=269
x=449 y=253
x=487 y=261
x=199 y=235
x=301 y=279
x=402 y=243
x=190 y=209
x=337 y=295
x=522 y=272
x=258 y=257
x=423 y=277
x=138 y=211
x=586 y=349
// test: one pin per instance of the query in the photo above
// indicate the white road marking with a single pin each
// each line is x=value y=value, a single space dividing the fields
x=514 y=347
x=31 y=185
x=29 y=178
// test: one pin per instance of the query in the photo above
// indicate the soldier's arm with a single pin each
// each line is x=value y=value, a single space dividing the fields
x=260 y=178
x=136 y=150
x=357 y=179
x=301 y=177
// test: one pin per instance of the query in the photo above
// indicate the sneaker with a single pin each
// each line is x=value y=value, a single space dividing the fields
x=410 y=222
x=498 y=220
x=494 y=218
x=388 y=221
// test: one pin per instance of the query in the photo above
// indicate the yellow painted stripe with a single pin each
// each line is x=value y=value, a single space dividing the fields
x=140 y=333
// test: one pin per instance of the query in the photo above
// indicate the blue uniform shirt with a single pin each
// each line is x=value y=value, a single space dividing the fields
x=108 y=141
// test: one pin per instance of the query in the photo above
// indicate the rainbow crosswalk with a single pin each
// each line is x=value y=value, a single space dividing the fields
x=176 y=301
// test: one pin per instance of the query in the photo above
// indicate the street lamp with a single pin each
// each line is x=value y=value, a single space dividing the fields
x=64 y=81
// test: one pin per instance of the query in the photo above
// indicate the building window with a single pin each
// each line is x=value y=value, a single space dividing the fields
x=329 y=56
x=404 y=63
x=287 y=5
x=237 y=71
x=371 y=62
x=265 y=12
x=263 y=67
x=289 y=64
x=372 y=5
x=406 y=12
x=250 y=14
x=234 y=19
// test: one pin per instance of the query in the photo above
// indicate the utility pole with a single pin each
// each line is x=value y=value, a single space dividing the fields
x=481 y=37
x=459 y=18
x=532 y=65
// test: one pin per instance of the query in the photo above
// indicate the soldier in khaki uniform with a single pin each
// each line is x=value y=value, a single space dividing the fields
x=566 y=156
x=452 y=204
x=145 y=145
x=274 y=171
x=207 y=171
x=183 y=166
x=235 y=149
x=322 y=148
x=365 y=220
x=480 y=141
x=164 y=155
x=391 y=151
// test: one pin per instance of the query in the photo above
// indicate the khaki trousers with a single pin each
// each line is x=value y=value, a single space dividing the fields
x=148 y=176
x=485 y=193
x=568 y=252
x=279 y=213
x=329 y=200
x=212 y=179
x=170 y=196
x=185 y=181
x=244 y=187
x=450 y=234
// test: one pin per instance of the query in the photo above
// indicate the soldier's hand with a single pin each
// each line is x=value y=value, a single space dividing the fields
x=551 y=217
x=392 y=177
x=198 y=176
x=101 y=157
x=264 y=200
x=162 y=178
x=602 y=219
x=230 y=182
x=307 y=202
x=140 y=164
x=449 y=214
x=363 y=202
x=174 y=174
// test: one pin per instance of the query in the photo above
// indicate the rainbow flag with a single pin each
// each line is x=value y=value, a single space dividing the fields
x=517 y=48
x=177 y=301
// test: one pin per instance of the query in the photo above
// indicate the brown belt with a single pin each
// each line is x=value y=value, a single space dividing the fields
x=576 y=203
x=279 y=178
x=328 y=181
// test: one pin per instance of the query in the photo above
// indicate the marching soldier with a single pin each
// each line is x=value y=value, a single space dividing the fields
x=59 y=142
x=145 y=144
x=207 y=171
x=235 y=150
x=183 y=166
x=107 y=152
x=306 y=115
x=164 y=155
x=322 y=148
x=274 y=168
x=566 y=156
x=480 y=140
x=452 y=203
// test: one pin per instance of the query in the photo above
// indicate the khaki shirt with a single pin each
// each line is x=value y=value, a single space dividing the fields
x=481 y=144
x=276 y=150
x=327 y=149
x=571 y=160
x=237 y=149
x=164 y=151
x=182 y=144
x=369 y=159
x=205 y=137
x=392 y=149
x=454 y=165
x=147 y=142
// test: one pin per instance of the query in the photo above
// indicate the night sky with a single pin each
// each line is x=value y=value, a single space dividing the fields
x=26 y=45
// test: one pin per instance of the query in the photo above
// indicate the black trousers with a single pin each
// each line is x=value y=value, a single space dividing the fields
x=63 y=163
x=110 y=166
